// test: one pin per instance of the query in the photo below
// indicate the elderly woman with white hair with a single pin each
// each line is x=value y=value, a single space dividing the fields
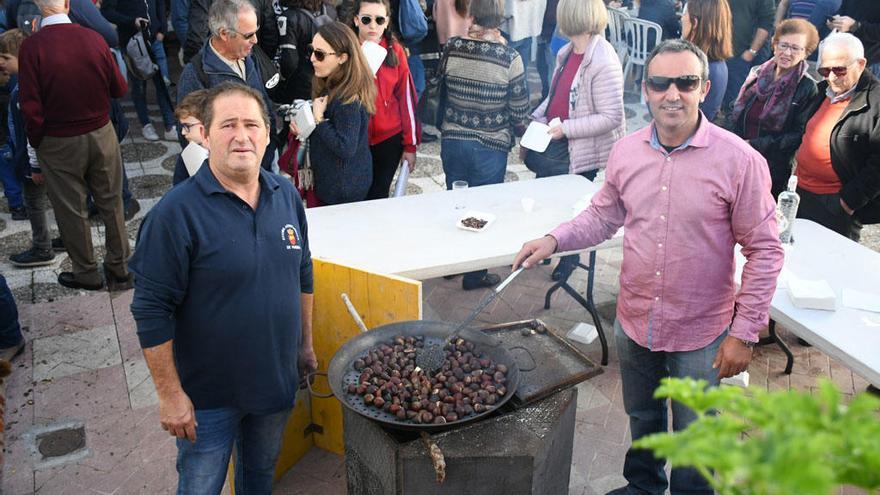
x=838 y=161
x=586 y=95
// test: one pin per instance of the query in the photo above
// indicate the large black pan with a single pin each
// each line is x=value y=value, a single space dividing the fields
x=341 y=372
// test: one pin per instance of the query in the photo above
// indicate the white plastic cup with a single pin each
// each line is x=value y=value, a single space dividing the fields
x=528 y=204
x=460 y=186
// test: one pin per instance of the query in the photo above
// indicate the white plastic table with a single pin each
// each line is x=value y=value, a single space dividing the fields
x=848 y=335
x=416 y=236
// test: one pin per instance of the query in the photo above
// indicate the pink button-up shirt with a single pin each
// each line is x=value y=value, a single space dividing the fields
x=683 y=212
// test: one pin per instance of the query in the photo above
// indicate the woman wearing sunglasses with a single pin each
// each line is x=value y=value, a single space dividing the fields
x=586 y=94
x=343 y=98
x=707 y=24
x=769 y=111
x=394 y=128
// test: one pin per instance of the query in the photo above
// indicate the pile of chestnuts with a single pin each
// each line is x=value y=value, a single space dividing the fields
x=468 y=382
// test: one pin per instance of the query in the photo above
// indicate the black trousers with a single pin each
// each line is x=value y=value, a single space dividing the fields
x=386 y=158
x=825 y=210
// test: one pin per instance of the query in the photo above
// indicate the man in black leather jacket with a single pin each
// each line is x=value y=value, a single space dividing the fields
x=839 y=182
x=267 y=36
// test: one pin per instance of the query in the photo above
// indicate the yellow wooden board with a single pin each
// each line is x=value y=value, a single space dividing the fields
x=380 y=299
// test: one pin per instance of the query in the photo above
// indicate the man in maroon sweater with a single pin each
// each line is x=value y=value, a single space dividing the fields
x=67 y=76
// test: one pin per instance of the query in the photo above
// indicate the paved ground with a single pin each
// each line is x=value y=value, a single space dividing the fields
x=83 y=368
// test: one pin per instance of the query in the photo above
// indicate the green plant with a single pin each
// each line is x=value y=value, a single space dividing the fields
x=773 y=443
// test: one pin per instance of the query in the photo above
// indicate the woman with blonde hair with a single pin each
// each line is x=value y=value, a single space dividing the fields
x=586 y=95
x=708 y=24
x=769 y=111
x=343 y=98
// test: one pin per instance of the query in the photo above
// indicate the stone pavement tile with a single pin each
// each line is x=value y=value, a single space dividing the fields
x=84 y=311
x=842 y=376
x=126 y=329
x=18 y=475
x=801 y=382
x=141 y=390
x=851 y=490
x=83 y=396
x=66 y=354
x=319 y=472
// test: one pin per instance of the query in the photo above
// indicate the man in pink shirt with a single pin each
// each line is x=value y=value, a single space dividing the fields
x=686 y=192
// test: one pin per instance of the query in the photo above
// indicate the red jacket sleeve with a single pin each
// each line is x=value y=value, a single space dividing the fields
x=407 y=98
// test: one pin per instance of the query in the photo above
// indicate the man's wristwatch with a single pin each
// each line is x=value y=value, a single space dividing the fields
x=753 y=51
x=747 y=343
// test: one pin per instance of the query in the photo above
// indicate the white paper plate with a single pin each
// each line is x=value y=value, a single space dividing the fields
x=488 y=217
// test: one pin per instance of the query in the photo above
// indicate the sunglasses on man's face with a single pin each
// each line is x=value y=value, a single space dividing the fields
x=367 y=19
x=685 y=84
x=247 y=36
x=838 y=71
x=319 y=54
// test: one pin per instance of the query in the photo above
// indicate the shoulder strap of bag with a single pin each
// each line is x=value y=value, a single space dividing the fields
x=199 y=67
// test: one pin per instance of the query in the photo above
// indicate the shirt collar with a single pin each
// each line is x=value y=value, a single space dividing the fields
x=843 y=96
x=698 y=139
x=210 y=185
x=55 y=19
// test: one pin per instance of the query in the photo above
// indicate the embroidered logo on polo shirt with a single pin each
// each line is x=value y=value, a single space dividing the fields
x=290 y=237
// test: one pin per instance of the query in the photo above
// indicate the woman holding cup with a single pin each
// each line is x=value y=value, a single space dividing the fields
x=343 y=97
x=394 y=128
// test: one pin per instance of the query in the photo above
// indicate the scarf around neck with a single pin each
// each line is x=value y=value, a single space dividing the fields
x=776 y=94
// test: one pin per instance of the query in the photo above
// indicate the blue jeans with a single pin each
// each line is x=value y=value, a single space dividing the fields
x=641 y=371
x=472 y=162
x=158 y=49
x=180 y=19
x=11 y=184
x=524 y=47
x=201 y=466
x=139 y=97
x=10 y=329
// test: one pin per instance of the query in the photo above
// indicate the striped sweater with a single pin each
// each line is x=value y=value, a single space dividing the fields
x=486 y=93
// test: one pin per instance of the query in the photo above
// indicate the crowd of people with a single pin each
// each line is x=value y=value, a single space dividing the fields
x=742 y=93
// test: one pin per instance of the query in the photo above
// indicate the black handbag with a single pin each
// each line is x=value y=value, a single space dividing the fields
x=432 y=104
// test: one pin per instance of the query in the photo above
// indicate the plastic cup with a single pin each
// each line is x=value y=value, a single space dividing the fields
x=461 y=186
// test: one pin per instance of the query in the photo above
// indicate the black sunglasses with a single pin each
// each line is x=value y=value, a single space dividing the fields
x=685 y=84
x=826 y=71
x=320 y=55
x=367 y=19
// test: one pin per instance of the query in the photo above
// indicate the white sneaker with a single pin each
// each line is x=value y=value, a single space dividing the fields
x=149 y=133
x=171 y=133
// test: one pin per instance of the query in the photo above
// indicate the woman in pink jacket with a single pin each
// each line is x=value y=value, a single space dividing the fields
x=586 y=94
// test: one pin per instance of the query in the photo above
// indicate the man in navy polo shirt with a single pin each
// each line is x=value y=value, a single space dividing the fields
x=223 y=302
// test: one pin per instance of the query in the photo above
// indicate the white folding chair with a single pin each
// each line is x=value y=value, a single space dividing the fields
x=637 y=35
x=616 y=19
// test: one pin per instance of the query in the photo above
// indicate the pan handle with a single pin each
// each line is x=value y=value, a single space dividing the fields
x=353 y=312
x=534 y=364
x=306 y=382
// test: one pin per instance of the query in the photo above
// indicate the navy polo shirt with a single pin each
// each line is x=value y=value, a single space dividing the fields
x=224 y=282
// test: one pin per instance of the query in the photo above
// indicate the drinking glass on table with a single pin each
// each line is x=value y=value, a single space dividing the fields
x=460 y=185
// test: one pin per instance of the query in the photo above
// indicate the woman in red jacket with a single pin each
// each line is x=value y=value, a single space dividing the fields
x=394 y=129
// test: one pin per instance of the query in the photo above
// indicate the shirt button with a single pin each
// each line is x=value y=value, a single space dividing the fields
x=659 y=244
x=662 y=217
x=657 y=298
x=658 y=274
x=668 y=158
x=663 y=188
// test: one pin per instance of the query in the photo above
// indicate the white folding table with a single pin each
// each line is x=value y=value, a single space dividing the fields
x=417 y=237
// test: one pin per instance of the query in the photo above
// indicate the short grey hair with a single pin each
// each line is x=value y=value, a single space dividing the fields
x=847 y=41
x=44 y=5
x=678 y=45
x=223 y=14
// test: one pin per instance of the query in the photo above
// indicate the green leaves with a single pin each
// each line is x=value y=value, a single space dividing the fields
x=775 y=443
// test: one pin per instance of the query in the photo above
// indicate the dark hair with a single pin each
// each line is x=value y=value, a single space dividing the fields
x=678 y=45
x=798 y=26
x=310 y=5
x=227 y=88
x=353 y=81
x=390 y=57
x=487 y=13
x=461 y=7
x=192 y=105
x=714 y=30
x=10 y=42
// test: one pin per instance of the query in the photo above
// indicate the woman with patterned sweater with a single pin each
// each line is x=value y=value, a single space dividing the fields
x=486 y=98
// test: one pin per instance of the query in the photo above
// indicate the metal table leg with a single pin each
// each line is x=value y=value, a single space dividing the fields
x=773 y=338
x=587 y=302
